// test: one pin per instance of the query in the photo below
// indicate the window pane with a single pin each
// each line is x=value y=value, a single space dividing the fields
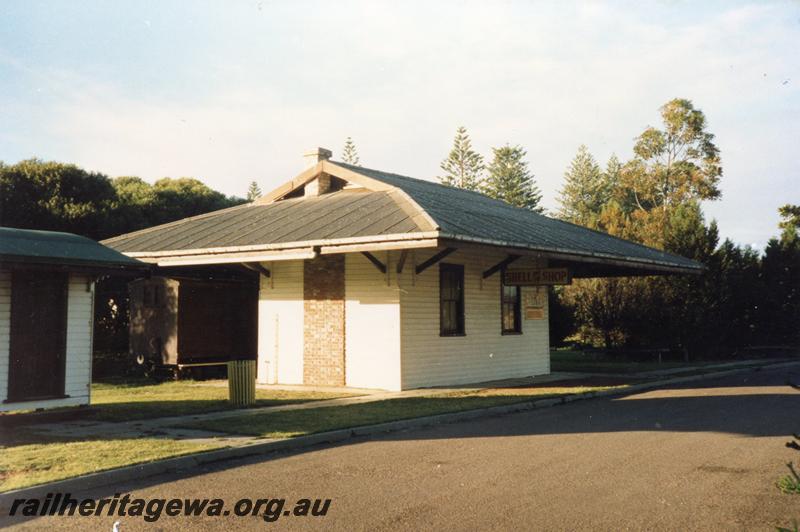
x=509 y=293
x=451 y=299
x=510 y=315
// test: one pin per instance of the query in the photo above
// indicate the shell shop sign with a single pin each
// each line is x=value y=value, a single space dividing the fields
x=537 y=277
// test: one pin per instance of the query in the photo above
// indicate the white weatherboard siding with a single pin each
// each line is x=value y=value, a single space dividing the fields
x=280 y=324
x=372 y=324
x=78 y=375
x=483 y=354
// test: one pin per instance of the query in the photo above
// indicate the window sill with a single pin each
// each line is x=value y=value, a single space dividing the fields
x=451 y=335
x=511 y=333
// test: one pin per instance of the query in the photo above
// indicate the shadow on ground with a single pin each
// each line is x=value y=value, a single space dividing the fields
x=755 y=404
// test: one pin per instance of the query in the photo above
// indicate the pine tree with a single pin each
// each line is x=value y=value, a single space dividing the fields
x=253 y=191
x=463 y=167
x=582 y=196
x=790 y=222
x=349 y=153
x=510 y=180
x=611 y=176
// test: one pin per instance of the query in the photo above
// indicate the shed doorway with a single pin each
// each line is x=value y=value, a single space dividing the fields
x=38 y=335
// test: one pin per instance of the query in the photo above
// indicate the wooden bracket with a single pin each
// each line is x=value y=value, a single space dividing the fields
x=402 y=261
x=500 y=265
x=433 y=260
x=257 y=267
x=378 y=264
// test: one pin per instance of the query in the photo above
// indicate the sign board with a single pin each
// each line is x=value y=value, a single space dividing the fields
x=536 y=277
x=533 y=313
x=534 y=302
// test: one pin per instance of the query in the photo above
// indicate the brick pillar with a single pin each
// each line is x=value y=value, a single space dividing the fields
x=323 y=323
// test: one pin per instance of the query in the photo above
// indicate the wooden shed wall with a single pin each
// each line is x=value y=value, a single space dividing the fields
x=78 y=373
x=154 y=319
x=217 y=321
x=193 y=321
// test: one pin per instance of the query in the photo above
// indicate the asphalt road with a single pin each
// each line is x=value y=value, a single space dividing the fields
x=705 y=455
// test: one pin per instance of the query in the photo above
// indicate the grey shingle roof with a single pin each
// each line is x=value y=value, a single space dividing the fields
x=343 y=214
x=48 y=247
x=455 y=213
x=463 y=213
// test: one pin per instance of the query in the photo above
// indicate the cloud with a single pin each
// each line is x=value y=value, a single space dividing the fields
x=266 y=84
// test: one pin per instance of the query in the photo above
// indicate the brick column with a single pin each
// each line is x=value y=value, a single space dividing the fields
x=323 y=322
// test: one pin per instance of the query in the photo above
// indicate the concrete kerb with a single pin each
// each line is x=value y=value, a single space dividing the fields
x=259 y=447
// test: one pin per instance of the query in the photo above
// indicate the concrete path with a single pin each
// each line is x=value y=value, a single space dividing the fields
x=703 y=455
x=165 y=426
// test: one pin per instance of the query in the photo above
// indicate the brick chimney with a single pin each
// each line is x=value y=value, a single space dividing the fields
x=322 y=183
x=312 y=157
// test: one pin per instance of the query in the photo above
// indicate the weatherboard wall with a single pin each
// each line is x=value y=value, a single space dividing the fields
x=77 y=379
x=372 y=323
x=483 y=353
x=391 y=324
x=280 y=324
x=78 y=376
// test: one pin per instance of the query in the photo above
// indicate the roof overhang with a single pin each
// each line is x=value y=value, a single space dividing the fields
x=53 y=264
x=584 y=265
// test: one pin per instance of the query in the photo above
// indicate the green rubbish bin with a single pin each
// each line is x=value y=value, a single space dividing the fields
x=242 y=382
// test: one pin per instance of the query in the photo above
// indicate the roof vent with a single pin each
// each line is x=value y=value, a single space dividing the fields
x=315 y=156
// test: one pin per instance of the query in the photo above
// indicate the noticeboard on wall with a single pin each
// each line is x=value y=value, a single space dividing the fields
x=534 y=302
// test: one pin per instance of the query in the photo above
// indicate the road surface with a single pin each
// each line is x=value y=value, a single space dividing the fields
x=704 y=455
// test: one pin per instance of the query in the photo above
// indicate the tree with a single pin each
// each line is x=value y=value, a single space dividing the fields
x=133 y=206
x=673 y=165
x=253 y=191
x=463 y=167
x=53 y=196
x=177 y=198
x=584 y=193
x=349 y=153
x=780 y=272
x=790 y=221
x=655 y=199
x=510 y=180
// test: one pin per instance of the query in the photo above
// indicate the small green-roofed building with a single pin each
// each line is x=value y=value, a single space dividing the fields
x=372 y=279
x=27 y=246
x=46 y=315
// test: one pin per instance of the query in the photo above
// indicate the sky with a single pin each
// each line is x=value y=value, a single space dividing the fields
x=236 y=91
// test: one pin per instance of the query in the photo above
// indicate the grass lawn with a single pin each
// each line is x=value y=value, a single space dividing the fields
x=31 y=464
x=293 y=423
x=569 y=360
x=145 y=400
x=116 y=402
x=28 y=458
